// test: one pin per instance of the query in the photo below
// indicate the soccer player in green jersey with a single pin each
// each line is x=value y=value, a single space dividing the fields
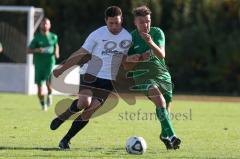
x=45 y=49
x=150 y=72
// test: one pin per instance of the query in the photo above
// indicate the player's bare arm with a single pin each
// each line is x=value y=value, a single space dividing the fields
x=158 y=51
x=71 y=61
x=39 y=50
x=56 y=53
x=130 y=61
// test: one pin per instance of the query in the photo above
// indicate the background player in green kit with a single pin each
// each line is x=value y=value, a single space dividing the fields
x=45 y=49
x=150 y=72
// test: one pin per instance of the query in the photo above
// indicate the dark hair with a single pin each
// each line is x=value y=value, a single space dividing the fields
x=45 y=19
x=112 y=11
x=141 y=11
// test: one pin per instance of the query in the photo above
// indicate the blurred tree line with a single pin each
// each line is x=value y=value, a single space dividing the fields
x=202 y=36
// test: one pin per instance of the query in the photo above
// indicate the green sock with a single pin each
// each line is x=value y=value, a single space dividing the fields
x=163 y=133
x=167 y=128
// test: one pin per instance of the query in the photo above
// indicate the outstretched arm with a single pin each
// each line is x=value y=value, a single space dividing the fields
x=74 y=59
x=130 y=61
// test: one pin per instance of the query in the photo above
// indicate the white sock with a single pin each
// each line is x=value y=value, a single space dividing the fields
x=172 y=137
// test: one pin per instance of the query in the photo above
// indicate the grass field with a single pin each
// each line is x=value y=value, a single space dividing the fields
x=207 y=129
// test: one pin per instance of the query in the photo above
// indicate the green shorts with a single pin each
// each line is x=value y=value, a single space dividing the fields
x=165 y=87
x=43 y=73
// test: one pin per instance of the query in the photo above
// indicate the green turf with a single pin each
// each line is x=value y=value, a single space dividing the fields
x=207 y=130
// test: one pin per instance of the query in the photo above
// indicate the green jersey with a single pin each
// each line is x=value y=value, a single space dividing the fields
x=154 y=71
x=45 y=60
x=48 y=43
x=155 y=66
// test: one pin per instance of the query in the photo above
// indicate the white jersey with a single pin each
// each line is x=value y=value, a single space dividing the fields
x=107 y=52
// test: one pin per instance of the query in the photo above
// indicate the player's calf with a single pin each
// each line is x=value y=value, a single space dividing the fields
x=58 y=121
x=49 y=100
x=77 y=125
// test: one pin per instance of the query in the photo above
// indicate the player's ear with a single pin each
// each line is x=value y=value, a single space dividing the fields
x=135 y=22
x=121 y=20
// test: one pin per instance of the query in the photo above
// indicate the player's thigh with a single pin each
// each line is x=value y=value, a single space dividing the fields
x=100 y=88
x=86 y=87
x=165 y=88
x=48 y=71
x=39 y=75
x=155 y=95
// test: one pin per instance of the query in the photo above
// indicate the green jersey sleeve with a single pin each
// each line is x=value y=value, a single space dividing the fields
x=55 y=39
x=33 y=43
x=159 y=37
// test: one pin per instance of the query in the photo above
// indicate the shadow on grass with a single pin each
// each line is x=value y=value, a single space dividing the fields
x=30 y=148
x=115 y=152
x=93 y=149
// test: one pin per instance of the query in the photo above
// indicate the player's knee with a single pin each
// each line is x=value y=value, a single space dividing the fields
x=156 y=96
x=40 y=89
x=85 y=98
x=84 y=101
x=153 y=91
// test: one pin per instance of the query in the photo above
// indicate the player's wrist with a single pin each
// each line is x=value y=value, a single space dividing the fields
x=38 y=50
x=151 y=43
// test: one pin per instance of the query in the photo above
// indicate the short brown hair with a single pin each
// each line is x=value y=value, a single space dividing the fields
x=45 y=19
x=112 y=11
x=141 y=11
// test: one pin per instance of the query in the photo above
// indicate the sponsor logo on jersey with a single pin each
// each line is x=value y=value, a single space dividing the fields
x=137 y=46
x=110 y=47
x=125 y=44
x=40 y=43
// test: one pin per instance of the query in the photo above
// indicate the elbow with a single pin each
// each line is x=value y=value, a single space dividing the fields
x=160 y=53
x=161 y=56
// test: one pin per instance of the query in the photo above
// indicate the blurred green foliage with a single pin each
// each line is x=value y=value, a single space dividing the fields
x=202 y=36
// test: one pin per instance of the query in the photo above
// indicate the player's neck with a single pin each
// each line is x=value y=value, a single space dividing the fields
x=44 y=32
x=115 y=33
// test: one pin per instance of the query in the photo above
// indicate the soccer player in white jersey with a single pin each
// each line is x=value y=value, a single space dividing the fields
x=107 y=46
